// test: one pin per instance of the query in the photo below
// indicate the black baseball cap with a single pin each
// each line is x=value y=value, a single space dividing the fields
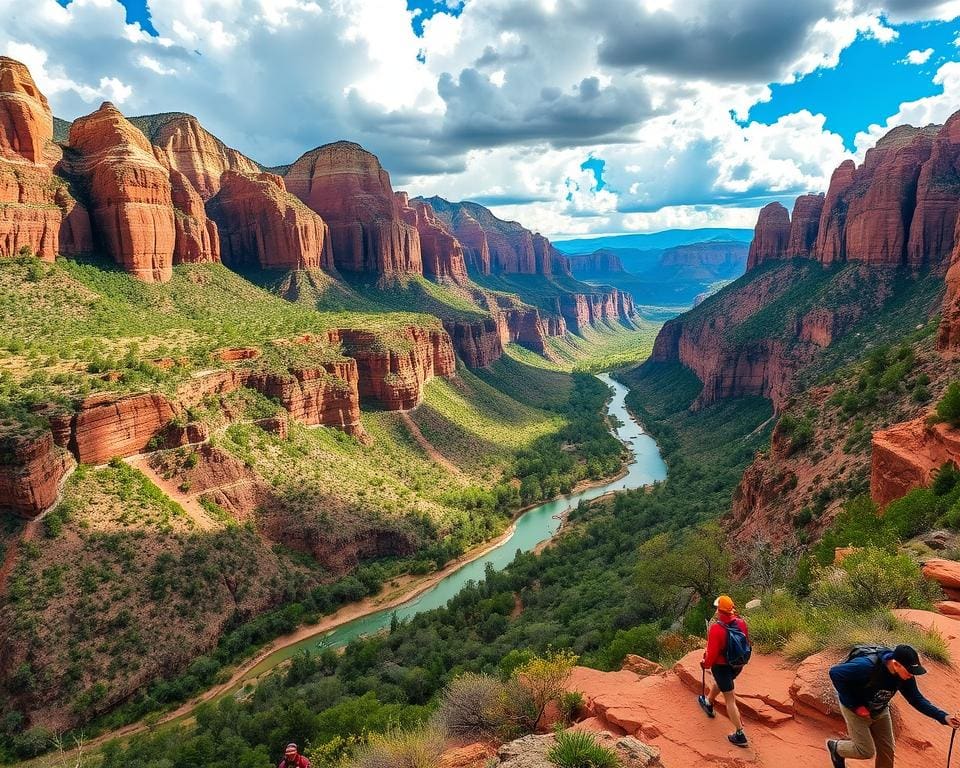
x=908 y=656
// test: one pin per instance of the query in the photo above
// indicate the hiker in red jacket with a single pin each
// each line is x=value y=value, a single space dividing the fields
x=728 y=649
x=293 y=759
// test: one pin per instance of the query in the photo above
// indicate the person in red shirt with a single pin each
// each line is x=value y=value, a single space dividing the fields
x=724 y=674
x=293 y=759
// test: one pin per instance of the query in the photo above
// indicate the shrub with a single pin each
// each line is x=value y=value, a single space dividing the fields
x=402 y=749
x=873 y=579
x=571 y=704
x=579 y=749
x=948 y=409
x=469 y=705
x=543 y=679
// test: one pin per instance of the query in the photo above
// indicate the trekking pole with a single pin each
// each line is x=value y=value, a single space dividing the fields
x=953 y=737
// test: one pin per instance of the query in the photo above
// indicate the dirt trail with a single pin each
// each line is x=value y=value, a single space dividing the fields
x=190 y=503
x=428 y=447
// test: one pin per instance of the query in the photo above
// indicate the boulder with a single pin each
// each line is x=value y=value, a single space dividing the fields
x=129 y=191
x=349 y=188
x=949 y=608
x=946 y=573
x=469 y=756
x=262 y=225
x=771 y=236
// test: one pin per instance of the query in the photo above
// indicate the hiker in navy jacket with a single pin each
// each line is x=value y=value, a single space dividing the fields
x=715 y=658
x=865 y=685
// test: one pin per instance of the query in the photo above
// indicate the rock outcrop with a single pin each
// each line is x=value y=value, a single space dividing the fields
x=603 y=261
x=948 y=337
x=789 y=710
x=181 y=144
x=804 y=226
x=492 y=245
x=908 y=455
x=129 y=192
x=197 y=238
x=107 y=425
x=829 y=247
x=441 y=252
x=771 y=236
x=351 y=191
x=32 y=468
x=263 y=225
x=710 y=260
x=395 y=374
x=478 y=343
x=932 y=228
x=26 y=123
x=38 y=214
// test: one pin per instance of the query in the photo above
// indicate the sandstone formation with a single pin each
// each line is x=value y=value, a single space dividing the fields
x=709 y=260
x=108 y=425
x=262 y=225
x=771 y=236
x=946 y=573
x=181 y=144
x=395 y=375
x=804 y=226
x=26 y=123
x=908 y=455
x=789 y=711
x=129 y=191
x=477 y=343
x=441 y=252
x=347 y=186
x=932 y=235
x=31 y=470
x=948 y=338
x=603 y=261
x=829 y=247
x=197 y=238
x=38 y=214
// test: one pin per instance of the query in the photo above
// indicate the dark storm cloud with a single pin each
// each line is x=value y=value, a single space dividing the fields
x=735 y=41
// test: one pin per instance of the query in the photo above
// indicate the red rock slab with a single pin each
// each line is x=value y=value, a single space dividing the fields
x=945 y=572
x=469 y=756
x=907 y=455
x=949 y=608
x=109 y=425
x=763 y=688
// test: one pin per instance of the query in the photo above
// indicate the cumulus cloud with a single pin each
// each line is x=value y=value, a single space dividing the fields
x=918 y=57
x=502 y=101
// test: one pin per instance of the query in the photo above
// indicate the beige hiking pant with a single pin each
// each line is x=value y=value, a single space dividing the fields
x=869 y=736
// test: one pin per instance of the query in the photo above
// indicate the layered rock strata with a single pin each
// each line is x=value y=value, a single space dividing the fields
x=908 y=456
x=31 y=471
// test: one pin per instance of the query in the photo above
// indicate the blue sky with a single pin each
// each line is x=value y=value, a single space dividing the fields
x=575 y=117
x=870 y=82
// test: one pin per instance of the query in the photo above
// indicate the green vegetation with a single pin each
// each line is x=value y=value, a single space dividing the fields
x=578 y=749
x=948 y=409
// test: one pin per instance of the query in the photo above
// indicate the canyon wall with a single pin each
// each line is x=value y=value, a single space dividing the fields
x=771 y=236
x=908 y=455
x=601 y=262
x=442 y=254
x=38 y=213
x=349 y=188
x=262 y=225
x=31 y=470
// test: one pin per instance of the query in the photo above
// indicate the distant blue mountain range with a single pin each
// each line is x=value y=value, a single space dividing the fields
x=655 y=241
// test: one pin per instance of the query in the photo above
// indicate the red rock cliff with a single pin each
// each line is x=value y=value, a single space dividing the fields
x=829 y=247
x=180 y=143
x=261 y=224
x=804 y=226
x=948 y=339
x=442 y=253
x=395 y=373
x=197 y=237
x=478 y=343
x=908 y=455
x=31 y=470
x=601 y=262
x=347 y=186
x=129 y=192
x=37 y=211
x=932 y=228
x=771 y=236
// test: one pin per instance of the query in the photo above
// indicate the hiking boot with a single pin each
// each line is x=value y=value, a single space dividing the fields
x=838 y=762
x=706 y=706
x=738 y=739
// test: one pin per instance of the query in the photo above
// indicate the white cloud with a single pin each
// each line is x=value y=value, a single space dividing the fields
x=918 y=57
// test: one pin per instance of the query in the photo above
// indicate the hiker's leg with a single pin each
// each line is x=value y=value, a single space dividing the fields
x=733 y=711
x=859 y=744
x=714 y=694
x=882 y=730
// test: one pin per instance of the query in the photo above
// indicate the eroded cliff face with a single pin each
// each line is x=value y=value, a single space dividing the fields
x=262 y=225
x=478 y=343
x=441 y=252
x=32 y=468
x=771 y=236
x=349 y=188
x=37 y=211
x=908 y=455
x=804 y=226
x=197 y=237
x=129 y=192
x=601 y=262
x=395 y=374
x=181 y=144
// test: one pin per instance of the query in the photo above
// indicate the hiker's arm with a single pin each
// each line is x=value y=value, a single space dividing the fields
x=911 y=692
x=848 y=679
x=714 y=637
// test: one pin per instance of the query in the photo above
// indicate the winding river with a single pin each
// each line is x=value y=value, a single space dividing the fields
x=532 y=528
